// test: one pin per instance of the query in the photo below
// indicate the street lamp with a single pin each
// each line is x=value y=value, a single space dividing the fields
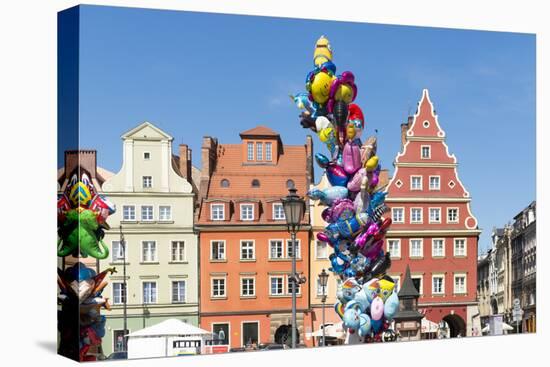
x=294 y=207
x=323 y=279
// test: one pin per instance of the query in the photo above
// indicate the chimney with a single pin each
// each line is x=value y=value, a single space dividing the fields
x=208 y=161
x=404 y=128
x=185 y=162
x=85 y=159
x=309 y=161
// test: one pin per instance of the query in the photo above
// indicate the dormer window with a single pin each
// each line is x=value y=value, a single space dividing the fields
x=259 y=151
x=217 y=212
x=224 y=183
x=255 y=183
x=250 y=151
x=247 y=212
x=268 y=151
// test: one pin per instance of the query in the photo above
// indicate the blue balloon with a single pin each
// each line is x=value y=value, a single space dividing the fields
x=390 y=306
x=364 y=324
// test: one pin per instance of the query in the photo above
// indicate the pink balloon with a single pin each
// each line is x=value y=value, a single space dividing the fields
x=377 y=308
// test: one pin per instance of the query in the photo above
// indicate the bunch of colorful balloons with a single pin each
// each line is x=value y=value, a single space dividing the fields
x=354 y=208
x=81 y=216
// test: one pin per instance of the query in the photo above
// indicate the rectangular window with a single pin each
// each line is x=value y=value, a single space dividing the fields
x=275 y=249
x=416 y=248
x=247 y=250
x=146 y=213
x=178 y=251
x=397 y=283
x=278 y=212
x=149 y=292
x=118 y=340
x=425 y=152
x=268 y=151
x=218 y=287
x=289 y=286
x=435 y=215
x=250 y=151
x=250 y=333
x=128 y=212
x=289 y=249
x=452 y=215
x=217 y=212
x=217 y=250
x=221 y=333
x=247 y=287
x=149 y=251
x=117 y=253
x=438 y=284
x=417 y=281
x=146 y=156
x=259 y=152
x=460 y=284
x=394 y=248
x=178 y=291
x=416 y=182
x=460 y=247
x=416 y=215
x=434 y=183
x=398 y=215
x=247 y=212
x=438 y=247
x=147 y=182
x=321 y=250
x=119 y=293
x=320 y=291
x=277 y=287
x=165 y=212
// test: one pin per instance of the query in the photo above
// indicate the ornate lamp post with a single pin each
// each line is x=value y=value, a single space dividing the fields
x=294 y=207
x=323 y=279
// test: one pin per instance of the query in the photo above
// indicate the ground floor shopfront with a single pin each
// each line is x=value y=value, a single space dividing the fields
x=334 y=335
x=250 y=330
x=450 y=320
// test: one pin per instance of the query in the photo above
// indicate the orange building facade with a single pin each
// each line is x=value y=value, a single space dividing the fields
x=245 y=252
x=433 y=229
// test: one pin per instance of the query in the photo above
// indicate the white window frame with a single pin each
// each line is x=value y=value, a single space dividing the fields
x=172 y=282
x=430 y=215
x=465 y=247
x=212 y=211
x=282 y=277
x=421 y=215
x=228 y=329
x=421 y=248
x=412 y=186
x=143 y=180
x=152 y=213
x=442 y=276
x=242 y=330
x=143 y=292
x=289 y=286
x=460 y=275
x=172 y=243
x=242 y=279
x=124 y=218
x=268 y=151
x=421 y=277
x=114 y=293
x=167 y=219
x=433 y=247
x=241 y=206
x=317 y=256
x=422 y=151
x=457 y=215
x=393 y=210
x=253 y=258
x=117 y=259
x=298 y=249
x=275 y=211
x=282 y=241
x=224 y=295
x=438 y=188
x=397 y=282
x=259 y=151
x=398 y=241
x=155 y=254
x=250 y=151
x=224 y=258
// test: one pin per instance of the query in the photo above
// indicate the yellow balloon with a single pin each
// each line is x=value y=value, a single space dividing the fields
x=386 y=288
x=320 y=87
x=323 y=51
x=344 y=93
x=325 y=134
x=350 y=131
x=372 y=163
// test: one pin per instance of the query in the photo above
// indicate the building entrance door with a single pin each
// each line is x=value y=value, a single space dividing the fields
x=250 y=333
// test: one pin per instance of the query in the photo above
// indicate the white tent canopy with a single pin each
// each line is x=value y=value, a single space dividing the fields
x=428 y=326
x=170 y=327
x=331 y=330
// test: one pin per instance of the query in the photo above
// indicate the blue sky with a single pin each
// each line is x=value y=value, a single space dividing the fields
x=196 y=74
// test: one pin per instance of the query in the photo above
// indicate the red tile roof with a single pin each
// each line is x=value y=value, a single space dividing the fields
x=259 y=131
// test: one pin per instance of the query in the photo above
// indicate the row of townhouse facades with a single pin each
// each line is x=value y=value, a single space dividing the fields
x=507 y=272
x=210 y=247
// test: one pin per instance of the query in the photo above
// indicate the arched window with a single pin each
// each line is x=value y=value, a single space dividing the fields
x=255 y=183
x=224 y=183
x=290 y=184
